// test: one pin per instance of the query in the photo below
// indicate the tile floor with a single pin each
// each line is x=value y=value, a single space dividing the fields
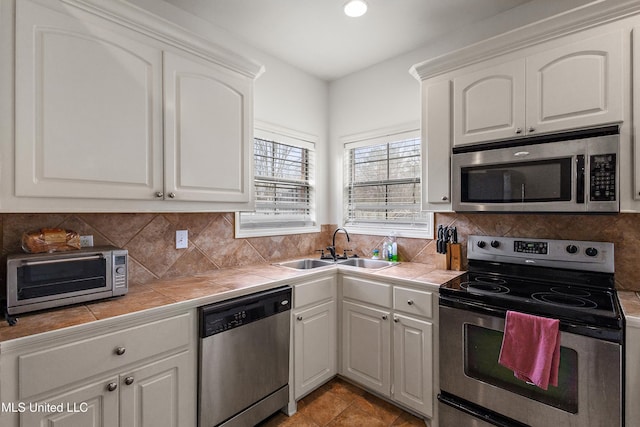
x=339 y=403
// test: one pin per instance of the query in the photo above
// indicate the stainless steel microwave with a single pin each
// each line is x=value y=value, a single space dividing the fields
x=40 y=281
x=575 y=172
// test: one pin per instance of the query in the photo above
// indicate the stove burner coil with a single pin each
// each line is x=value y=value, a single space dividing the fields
x=484 y=288
x=563 y=300
x=490 y=280
x=568 y=290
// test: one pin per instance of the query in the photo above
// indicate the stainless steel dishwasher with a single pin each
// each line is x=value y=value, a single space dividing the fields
x=244 y=359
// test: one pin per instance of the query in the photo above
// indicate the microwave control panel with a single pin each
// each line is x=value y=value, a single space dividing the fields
x=602 y=177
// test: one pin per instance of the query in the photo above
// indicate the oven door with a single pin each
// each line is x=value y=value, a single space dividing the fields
x=589 y=382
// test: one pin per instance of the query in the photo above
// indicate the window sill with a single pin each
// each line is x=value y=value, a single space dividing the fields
x=267 y=232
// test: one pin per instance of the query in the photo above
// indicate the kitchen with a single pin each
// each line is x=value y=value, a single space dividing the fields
x=351 y=104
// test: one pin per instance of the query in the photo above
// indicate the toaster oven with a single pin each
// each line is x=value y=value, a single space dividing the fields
x=46 y=280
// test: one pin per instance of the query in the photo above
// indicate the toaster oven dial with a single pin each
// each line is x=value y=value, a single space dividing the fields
x=572 y=249
x=495 y=244
x=591 y=252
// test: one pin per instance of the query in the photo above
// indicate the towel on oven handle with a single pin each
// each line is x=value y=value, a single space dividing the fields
x=531 y=348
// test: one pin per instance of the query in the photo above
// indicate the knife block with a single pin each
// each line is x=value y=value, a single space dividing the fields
x=443 y=261
x=454 y=252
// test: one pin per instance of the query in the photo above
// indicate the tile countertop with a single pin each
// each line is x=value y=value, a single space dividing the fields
x=203 y=289
x=630 y=302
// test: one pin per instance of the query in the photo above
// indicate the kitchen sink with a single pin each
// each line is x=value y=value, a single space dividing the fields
x=306 y=264
x=366 y=263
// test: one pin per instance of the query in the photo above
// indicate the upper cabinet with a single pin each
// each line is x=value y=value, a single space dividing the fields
x=207 y=111
x=88 y=109
x=106 y=110
x=566 y=87
x=489 y=103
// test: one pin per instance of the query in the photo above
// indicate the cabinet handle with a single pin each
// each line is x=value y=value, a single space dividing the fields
x=128 y=380
x=299 y=317
x=385 y=317
x=518 y=130
x=172 y=195
x=120 y=351
x=395 y=319
x=410 y=302
x=159 y=194
x=532 y=129
x=444 y=198
x=112 y=386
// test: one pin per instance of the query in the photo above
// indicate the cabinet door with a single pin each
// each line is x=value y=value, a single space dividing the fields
x=92 y=405
x=436 y=145
x=489 y=104
x=314 y=347
x=160 y=394
x=208 y=131
x=366 y=346
x=413 y=363
x=576 y=85
x=88 y=109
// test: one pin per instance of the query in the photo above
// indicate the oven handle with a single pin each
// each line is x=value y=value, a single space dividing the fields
x=603 y=333
x=57 y=261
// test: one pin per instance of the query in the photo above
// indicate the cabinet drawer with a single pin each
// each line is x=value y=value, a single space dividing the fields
x=314 y=291
x=413 y=301
x=54 y=367
x=366 y=291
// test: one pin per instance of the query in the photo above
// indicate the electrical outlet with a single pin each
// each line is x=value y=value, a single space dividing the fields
x=86 y=241
x=182 y=239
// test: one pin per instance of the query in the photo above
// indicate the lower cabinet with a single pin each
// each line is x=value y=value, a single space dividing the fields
x=314 y=334
x=366 y=346
x=388 y=341
x=141 y=375
x=148 y=396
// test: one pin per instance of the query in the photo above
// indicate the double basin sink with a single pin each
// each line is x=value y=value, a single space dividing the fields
x=310 y=263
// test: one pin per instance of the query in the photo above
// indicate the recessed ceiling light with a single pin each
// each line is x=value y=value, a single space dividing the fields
x=355 y=8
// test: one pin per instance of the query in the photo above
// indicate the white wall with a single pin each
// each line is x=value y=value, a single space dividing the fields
x=386 y=95
x=284 y=95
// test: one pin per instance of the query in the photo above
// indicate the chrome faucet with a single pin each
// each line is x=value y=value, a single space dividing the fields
x=332 y=248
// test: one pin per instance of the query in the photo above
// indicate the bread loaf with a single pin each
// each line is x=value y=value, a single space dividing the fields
x=50 y=240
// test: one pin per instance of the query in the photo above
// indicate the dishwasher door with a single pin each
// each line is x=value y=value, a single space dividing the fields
x=246 y=365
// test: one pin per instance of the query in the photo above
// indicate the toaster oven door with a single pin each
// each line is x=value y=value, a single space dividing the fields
x=39 y=284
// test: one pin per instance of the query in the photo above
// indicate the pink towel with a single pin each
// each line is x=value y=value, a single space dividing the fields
x=531 y=348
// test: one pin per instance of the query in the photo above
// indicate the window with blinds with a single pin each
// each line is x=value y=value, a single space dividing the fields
x=283 y=179
x=383 y=187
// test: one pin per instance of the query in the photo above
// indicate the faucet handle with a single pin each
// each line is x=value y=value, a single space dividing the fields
x=344 y=253
x=321 y=252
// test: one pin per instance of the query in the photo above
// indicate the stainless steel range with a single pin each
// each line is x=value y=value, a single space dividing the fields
x=572 y=281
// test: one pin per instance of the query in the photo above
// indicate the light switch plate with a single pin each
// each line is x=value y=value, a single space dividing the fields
x=182 y=239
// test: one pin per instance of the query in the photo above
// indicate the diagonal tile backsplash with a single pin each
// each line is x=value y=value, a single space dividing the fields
x=150 y=239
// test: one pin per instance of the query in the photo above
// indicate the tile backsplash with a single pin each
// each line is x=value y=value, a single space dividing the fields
x=150 y=239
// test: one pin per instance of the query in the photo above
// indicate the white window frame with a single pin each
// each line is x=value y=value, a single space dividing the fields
x=378 y=137
x=279 y=134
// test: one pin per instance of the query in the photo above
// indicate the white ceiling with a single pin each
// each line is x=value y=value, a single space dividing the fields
x=316 y=36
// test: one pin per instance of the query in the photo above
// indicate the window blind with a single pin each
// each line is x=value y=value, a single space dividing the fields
x=283 y=177
x=383 y=184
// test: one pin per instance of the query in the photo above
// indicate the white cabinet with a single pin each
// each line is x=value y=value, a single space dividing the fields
x=436 y=145
x=109 y=112
x=489 y=103
x=88 y=109
x=314 y=334
x=142 y=375
x=565 y=87
x=388 y=337
x=208 y=115
x=148 y=396
x=366 y=346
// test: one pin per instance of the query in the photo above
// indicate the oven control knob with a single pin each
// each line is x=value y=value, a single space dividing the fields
x=591 y=252
x=572 y=249
x=481 y=244
x=495 y=244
